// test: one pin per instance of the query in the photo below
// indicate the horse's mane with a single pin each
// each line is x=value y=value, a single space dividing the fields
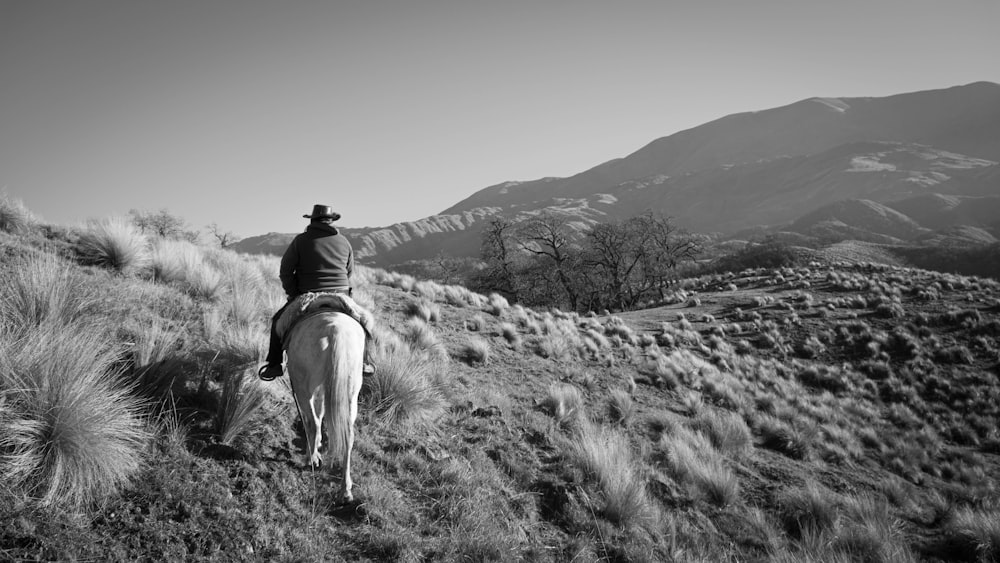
x=310 y=303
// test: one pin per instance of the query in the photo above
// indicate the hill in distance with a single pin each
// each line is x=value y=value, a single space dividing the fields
x=764 y=169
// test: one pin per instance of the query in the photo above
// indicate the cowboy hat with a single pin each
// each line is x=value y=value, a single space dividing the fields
x=322 y=211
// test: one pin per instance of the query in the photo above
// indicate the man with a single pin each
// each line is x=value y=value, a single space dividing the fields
x=318 y=260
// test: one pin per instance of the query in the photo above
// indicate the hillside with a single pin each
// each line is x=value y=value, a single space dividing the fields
x=754 y=170
x=834 y=412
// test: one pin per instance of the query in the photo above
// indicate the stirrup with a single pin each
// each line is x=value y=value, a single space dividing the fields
x=263 y=374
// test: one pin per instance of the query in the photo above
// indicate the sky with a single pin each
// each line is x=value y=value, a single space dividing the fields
x=245 y=113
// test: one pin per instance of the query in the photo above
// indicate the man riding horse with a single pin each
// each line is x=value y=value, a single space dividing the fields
x=319 y=260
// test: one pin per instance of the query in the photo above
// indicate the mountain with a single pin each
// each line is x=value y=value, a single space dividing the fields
x=766 y=169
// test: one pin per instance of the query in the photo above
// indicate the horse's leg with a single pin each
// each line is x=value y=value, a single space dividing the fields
x=317 y=408
x=355 y=389
x=302 y=393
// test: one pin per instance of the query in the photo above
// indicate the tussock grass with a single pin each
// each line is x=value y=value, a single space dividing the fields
x=183 y=263
x=695 y=462
x=156 y=360
x=14 y=216
x=43 y=290
x=870 y=532
x=475 y=351
x=496 y=304
x=808 y=510
x=607 y=458
x=115 y=243
x=510 y=334
x=421 y=337
x=727 y=431
x=406 y=388
x=620 y=406
x=972 y=534
x=423 y=309
x=241 y=398
x=793 y=440
x=565 y=403
x=72 y=433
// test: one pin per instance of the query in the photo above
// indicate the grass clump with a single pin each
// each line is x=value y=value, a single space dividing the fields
x=972 y=534
x=116 y=244
x=242 y=396
x=696 y=463
x=475 y=351
x=14 y=216
x=71 y=432
x=726 y=430
x=423 y=309
x=406 y=388
x=621 y=406
x=565 y=403
x=43 y=290
x=606 y=457
x=808 y=511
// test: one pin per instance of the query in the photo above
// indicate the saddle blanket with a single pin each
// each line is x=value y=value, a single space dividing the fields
x=311 y=303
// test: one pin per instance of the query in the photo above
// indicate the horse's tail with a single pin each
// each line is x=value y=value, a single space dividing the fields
x=344 y=375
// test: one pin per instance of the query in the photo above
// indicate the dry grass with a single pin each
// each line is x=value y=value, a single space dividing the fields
x=621 y=406
x=475 y=351
x=116 y=244
x=606 y=456
x=44 y=290
x=695 y=462
x=14 y=216
x=72 y=433
x=406 y=388
x=241 y=398
x=565 y=403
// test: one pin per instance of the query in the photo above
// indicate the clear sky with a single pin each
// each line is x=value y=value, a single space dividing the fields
x=247 y=112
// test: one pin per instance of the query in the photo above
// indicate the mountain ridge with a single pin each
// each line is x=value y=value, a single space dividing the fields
x=761 y=169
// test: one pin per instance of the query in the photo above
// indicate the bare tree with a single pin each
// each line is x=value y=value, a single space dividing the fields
x=498 y=250
x=224 y=238
x=549 y=237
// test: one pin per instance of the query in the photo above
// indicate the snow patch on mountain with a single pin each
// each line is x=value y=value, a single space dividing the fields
x=836 y=104
x=870 y=163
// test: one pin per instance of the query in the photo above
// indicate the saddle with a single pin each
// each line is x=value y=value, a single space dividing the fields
x=309 y=304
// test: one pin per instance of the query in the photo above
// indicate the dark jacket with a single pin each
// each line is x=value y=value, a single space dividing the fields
x=319 y=259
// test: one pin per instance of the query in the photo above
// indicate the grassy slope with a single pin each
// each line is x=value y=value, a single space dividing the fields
x=863 y=442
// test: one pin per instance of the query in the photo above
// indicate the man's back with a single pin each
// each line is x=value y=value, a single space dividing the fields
x=319 y=259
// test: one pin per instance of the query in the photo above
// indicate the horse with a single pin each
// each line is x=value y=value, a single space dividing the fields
x=325 y=354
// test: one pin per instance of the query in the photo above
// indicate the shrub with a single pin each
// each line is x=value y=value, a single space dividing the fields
x=116 y=244
x=771 y=253
x=70 y=432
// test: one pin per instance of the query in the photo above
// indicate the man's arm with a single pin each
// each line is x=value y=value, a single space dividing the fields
x=289 y=261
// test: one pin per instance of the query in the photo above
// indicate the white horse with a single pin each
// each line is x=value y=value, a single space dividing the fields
x=325 y=355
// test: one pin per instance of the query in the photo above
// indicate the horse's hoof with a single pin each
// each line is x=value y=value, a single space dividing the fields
x=346 y=498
